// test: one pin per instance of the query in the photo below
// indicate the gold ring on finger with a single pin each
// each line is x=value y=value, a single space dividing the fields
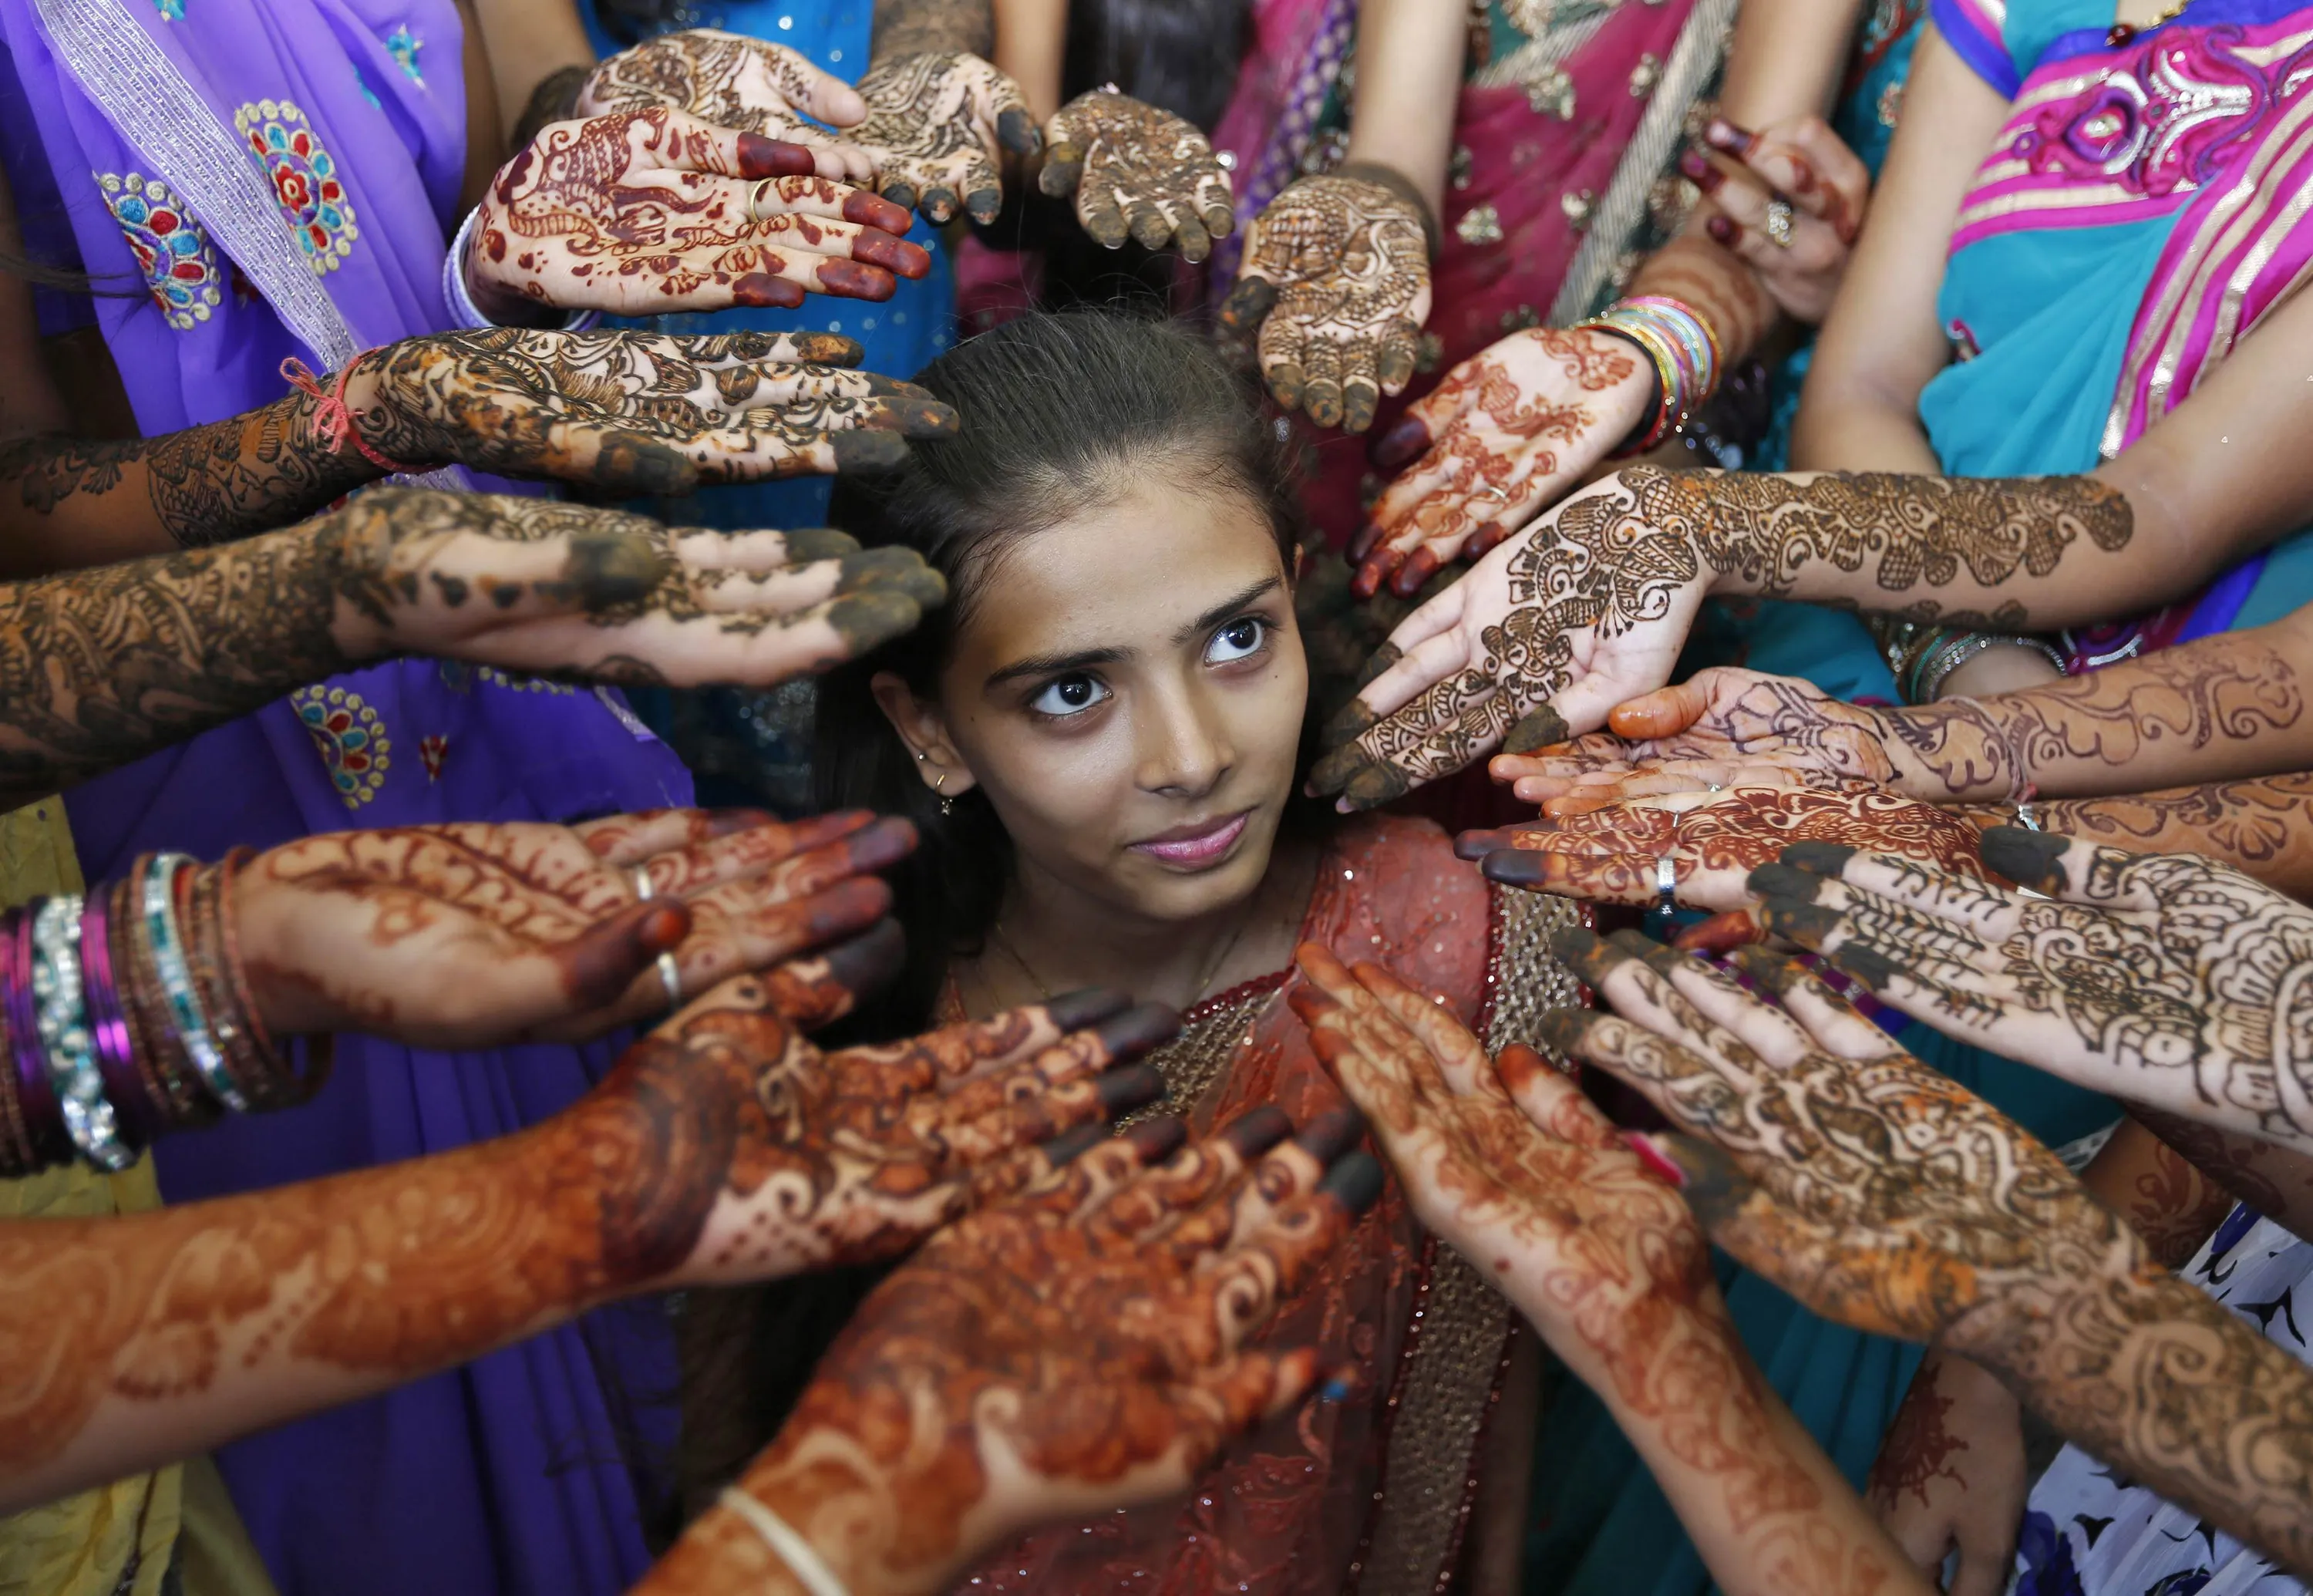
x=755 y=198
x=1779 y=219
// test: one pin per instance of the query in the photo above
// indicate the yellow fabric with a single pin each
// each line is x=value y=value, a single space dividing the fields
x=82 y=1544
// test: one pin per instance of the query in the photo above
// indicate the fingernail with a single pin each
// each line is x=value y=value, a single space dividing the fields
x=896 y=256
x=1138 y=1029
x=1385 y=658
x=1331 y=1134
x=1135 y=1086
x=873 y=210
x=852 y=280
x=1157 y=1138
x=664 y=929
x=807 y=543
x=1721 y=231
x=612 y=568
x=1541 y=728
x=2026 y=857
x=882 y=845
x=759 y=290
x=1725 y=932
x=1349 y=722
x=1775 y=974
x=730 y=822
x=925 y=418
x=1258 y=1130
x=1074 y=1010
x=1824 y=858
x=1355 y=1182
x=1784 y=881
x=1017 y=131
x=867 y=449
x=863 y=620
x=1334 y=772
x=900 y=193
x=1071 y=1146
x=939 y=204
x=1405 y=441
x=1869 y=966
x=1472 y=845
x=829 y=348
x=1797 y=921
x=1517 y=867
x=1420 y=566
x=1375 y=785
x=869 y=960
x=1655 y=1159
x=1701 y=172
x=1720 y=134
x=761 y=157
x=1573 y=943
x=1561 y=1030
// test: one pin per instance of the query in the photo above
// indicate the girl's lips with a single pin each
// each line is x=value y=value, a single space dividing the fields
x=1203 y=849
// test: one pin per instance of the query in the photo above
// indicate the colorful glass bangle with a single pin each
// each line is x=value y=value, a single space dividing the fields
x=167 y=944
x=44 y=1121
x=1667 y=381
x=21 y=1158
x=73 y=1071
x=108 y=1024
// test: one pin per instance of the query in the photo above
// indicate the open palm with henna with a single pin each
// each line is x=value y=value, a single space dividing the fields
x=642 y=212
x=478 y=935
x=1336 y=276
x=1886 y=1197
x=2166 y=978
x=938 y=122
x=636 y=414
x=1507 y=433
x=733 y=80
x=527 y=585
x=1714 y=839
x=1079 y=1349
x=1138 y=172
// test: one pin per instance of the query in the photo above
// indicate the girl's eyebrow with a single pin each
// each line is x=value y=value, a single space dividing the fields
x=1228 y=607
x=1046 y=664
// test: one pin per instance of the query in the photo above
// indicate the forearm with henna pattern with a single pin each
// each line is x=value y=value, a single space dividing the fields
x=2276 y=1181
x=2223 y=708
x=70 y=502
x=2155 y=1377
x=2262 y=827
x=933 y=26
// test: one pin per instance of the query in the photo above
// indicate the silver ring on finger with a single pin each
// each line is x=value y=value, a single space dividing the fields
x=1492 y=490
x=670 y=978
x=1667 y=881
x=1779 y=226
x=644 y=891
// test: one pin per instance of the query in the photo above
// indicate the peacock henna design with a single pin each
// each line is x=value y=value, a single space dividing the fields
x=936 y=122
x=721 y=1147
x=2255 y=826
x=477 y=935
x=634 y=413
x=1917 y=1450
x=1597 y=596
x=1138 y=172
x=1714 y=839
x=1888 y=1198
x=2162 y=978
x=1499 y=421
x=646 y=211
x=1079 y=1349
x=1336 y=277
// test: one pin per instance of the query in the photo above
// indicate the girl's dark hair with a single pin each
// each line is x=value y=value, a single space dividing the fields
x=1061 y=412
x=1180 y=55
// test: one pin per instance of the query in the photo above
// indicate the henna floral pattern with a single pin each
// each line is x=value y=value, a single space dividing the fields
x=1486 y=448
x=646 y=211
x=1075 y=1350
x=1888 y=1198
x=731 y=80
x=722 y=1147
x=2161 y=978
x=1714 y=839
x=1137 y=173
x=1588 y=608
x=936 y=124
x=1336 y=277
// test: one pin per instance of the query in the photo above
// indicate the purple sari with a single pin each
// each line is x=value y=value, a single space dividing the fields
x=521 y=1472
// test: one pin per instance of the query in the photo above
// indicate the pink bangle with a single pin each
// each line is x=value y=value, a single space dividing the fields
x=36 y=1094
x=107 y=1022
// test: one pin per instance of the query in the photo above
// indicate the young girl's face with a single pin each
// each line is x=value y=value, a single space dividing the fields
x=1128 y=690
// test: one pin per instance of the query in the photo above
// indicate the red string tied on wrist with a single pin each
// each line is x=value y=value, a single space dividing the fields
x=338 y=424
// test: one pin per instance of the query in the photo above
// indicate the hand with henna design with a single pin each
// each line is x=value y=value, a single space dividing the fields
x=1810 y=169
x=636 y=413
x=2161 y=978
x=1888 y=1198
x=1508 y=1161
x=1714 y=839
x=105 y=666
x=1951 y=1475
x=736 y=81
x=1076 y=1350
x=722 y=1147
x=938 y=122
x=1137 y=173
x=1336 y=277
x=643 y=212
x=478 y=935
x=1506 y=434
x=1589 y=605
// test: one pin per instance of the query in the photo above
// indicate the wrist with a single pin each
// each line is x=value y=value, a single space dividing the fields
x=1382 y=175
x=816 y=1507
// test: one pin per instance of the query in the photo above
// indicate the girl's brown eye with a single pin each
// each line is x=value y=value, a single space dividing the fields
x=1068 y=695
x=1238 y=640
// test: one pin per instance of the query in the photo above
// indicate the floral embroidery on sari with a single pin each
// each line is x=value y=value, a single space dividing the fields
x=350 y=738
x=179 y=268
x=404 y=46
x=305 y=179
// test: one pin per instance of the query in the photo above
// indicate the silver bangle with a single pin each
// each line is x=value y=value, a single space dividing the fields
x=159 y=903
x=461 y=300
x=65 y=1039
x=802 y=1558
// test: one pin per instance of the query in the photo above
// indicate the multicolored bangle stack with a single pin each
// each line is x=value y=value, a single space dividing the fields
x=1686 y=354
x=1923 y=657
x=127 y=1014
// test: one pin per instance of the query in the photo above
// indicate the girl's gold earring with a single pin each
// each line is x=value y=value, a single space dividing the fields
x=947 y=804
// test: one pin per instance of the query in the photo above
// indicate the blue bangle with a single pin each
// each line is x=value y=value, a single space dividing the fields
x=160 y=908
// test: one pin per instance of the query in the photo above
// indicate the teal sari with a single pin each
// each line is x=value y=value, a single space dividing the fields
x=2112 y=185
